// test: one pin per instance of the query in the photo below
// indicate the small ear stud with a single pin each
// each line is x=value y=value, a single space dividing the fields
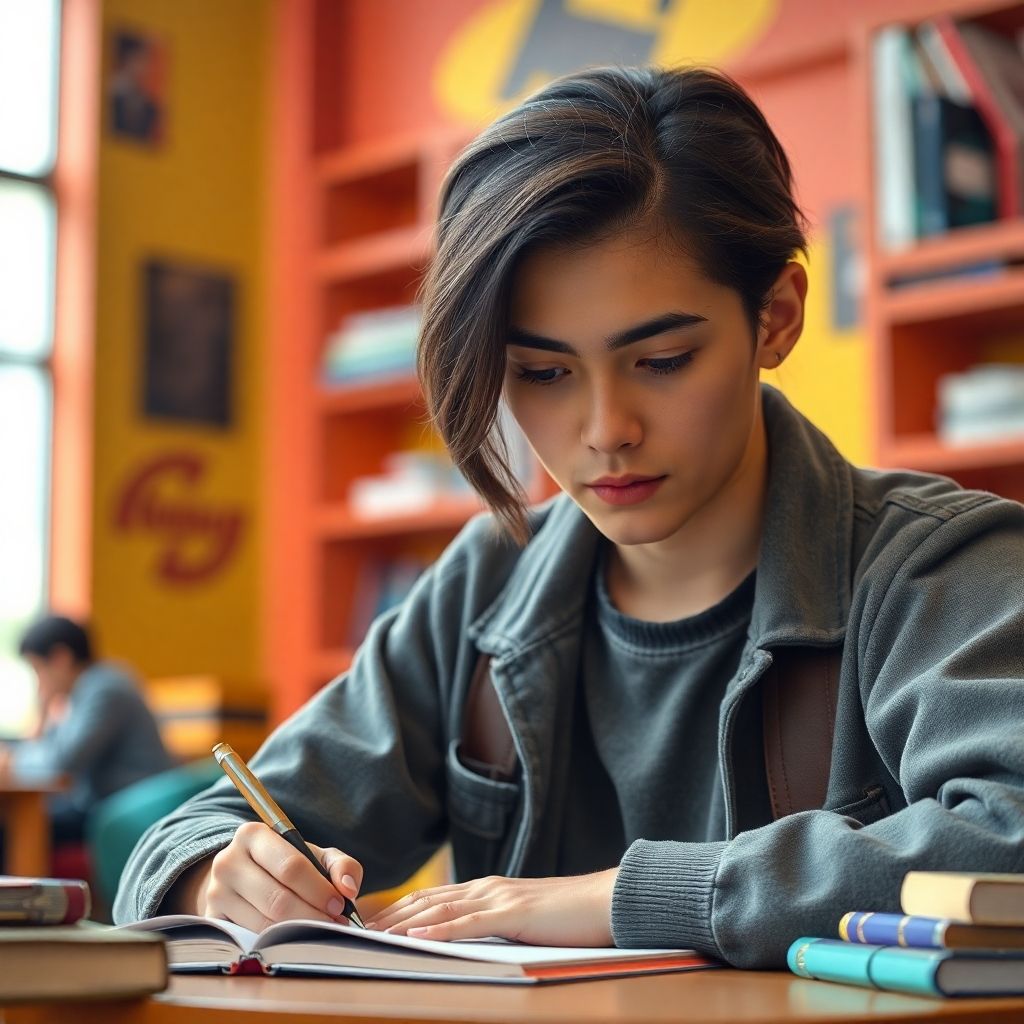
x=778 y=359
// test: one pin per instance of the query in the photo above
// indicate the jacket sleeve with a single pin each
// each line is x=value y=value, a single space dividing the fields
x=359 y=767
x=941 y=662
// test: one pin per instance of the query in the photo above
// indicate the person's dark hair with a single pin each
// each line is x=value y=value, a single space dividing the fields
x=685 y=150
x=55 y=630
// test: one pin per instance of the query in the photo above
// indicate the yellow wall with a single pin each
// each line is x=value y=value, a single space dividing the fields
x=197 y=199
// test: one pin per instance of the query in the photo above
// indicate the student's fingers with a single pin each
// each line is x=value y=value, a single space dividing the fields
x=228 y=905
x=457 y=919
x=271 y=898
x=345 y=871
x=416 y=902
x=272 y=875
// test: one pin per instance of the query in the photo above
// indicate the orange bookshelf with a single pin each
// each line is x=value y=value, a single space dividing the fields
x=353 y=226
x=920 y=331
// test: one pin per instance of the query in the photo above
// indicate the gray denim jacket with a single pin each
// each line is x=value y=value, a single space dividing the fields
x=922 y=580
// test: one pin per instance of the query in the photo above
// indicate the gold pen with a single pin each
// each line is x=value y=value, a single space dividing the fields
x=261 y=802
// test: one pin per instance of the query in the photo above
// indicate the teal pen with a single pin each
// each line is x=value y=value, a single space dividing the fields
x=263 y=804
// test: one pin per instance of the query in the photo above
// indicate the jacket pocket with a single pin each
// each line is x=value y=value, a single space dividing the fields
x=871 y=807
x=480 y=812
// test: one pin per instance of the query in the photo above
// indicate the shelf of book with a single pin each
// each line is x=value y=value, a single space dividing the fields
x=369 y=255
x=993 y=295
x=928 y=453
x=941 y=305
x=445 y=515
x=999 y=240
x=396 y=394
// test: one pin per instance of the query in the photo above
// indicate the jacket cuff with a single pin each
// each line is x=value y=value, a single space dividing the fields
x=145 y=901
x=663 y=896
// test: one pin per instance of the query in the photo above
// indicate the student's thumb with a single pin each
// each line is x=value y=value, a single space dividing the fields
x=345 y=871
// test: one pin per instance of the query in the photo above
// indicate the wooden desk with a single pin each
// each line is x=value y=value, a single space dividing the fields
x=703 y=997
x=26 y=825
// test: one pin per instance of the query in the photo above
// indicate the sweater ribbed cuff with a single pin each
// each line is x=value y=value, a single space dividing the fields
x=663 y=895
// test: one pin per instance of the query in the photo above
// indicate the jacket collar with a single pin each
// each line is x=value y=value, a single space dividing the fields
x=803 y=576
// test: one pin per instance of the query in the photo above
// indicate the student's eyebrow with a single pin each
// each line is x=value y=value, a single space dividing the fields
x=638 y=332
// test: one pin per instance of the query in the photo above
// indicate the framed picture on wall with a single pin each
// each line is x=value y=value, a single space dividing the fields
x=137 y=87
x=189 y=315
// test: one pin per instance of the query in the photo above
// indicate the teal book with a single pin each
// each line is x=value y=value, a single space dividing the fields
x=928 y=972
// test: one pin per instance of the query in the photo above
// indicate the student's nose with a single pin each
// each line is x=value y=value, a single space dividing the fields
x=610 y=421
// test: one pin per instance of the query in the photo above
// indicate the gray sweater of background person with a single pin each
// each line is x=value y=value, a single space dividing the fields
x=918 y=580
x=107 y=740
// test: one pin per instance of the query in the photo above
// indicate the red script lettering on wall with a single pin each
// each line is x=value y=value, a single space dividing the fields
x=161 y=498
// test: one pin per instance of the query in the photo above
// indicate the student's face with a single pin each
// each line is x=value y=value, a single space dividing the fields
x=54 y=674
x=673 y=411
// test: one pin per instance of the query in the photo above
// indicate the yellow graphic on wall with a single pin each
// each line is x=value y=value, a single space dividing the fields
x=513 y=47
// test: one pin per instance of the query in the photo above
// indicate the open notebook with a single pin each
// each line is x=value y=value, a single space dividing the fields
x=313 y=947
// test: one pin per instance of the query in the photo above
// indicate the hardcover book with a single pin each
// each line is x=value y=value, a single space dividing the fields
x=84 y=960
x=43 y=900
x=925 y=932
x=933 y=972
x=200 y=944
x=972 y=898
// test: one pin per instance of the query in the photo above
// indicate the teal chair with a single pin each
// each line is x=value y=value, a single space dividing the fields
x=118 y=822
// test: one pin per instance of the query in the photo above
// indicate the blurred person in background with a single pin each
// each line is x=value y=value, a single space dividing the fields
x=94 y=725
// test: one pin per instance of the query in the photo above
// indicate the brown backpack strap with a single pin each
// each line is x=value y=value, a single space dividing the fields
x=799 y=695
x=800 y=691
x=486 y=745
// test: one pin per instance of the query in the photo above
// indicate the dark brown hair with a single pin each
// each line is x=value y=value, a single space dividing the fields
x=591 y=153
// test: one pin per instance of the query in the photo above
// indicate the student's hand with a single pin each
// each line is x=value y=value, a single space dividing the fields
x=574 y=911
x=6 y=758
x=259 y=878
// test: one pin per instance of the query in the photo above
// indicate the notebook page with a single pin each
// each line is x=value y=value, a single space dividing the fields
x=491 y=950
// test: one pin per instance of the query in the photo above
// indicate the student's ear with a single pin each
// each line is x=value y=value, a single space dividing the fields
x=783 y=319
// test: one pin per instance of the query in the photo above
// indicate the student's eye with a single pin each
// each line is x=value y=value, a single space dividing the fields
x=549 y=375
x=669 y=364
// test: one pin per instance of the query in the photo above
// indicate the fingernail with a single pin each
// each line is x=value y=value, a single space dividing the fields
x=417 y=931
x=335 y=907
x=349 y=883
x=371 y=927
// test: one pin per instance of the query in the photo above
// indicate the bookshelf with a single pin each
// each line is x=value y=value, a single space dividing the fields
x=352 y=225
x=920 y=330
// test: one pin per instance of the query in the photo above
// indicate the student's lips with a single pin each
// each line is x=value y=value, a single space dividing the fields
x=626 y=490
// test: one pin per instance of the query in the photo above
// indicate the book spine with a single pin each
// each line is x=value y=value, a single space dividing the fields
x=870 y=966
x=44 y=901
x=893 y=930
x=929 y=166
x=1008 y=171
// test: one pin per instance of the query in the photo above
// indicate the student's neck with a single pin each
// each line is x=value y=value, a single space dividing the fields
x=704 y=561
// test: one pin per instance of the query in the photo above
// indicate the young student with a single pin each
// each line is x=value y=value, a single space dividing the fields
x=615 y=257
x=95 y=726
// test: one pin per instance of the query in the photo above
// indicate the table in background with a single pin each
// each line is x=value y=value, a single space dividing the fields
x=26 y=824
x=702 y=997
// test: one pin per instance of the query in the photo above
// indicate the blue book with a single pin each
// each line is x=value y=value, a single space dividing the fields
x=926 y=932
x=929 y=972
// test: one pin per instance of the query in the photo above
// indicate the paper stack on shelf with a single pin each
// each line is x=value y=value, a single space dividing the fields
x=412 y=481
x=371 y=345
x=984 y=403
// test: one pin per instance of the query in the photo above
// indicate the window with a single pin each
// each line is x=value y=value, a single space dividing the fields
x=29 y=57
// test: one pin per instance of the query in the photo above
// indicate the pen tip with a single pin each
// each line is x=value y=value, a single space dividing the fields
x=221 y=750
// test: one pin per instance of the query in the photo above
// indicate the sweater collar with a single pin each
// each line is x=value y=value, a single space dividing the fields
x=803 y=574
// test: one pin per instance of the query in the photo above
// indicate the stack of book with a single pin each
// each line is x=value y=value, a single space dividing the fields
x=949 y=122
x=373 y=345
x=960 y=934
x=984 y=403
x=50 y=951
